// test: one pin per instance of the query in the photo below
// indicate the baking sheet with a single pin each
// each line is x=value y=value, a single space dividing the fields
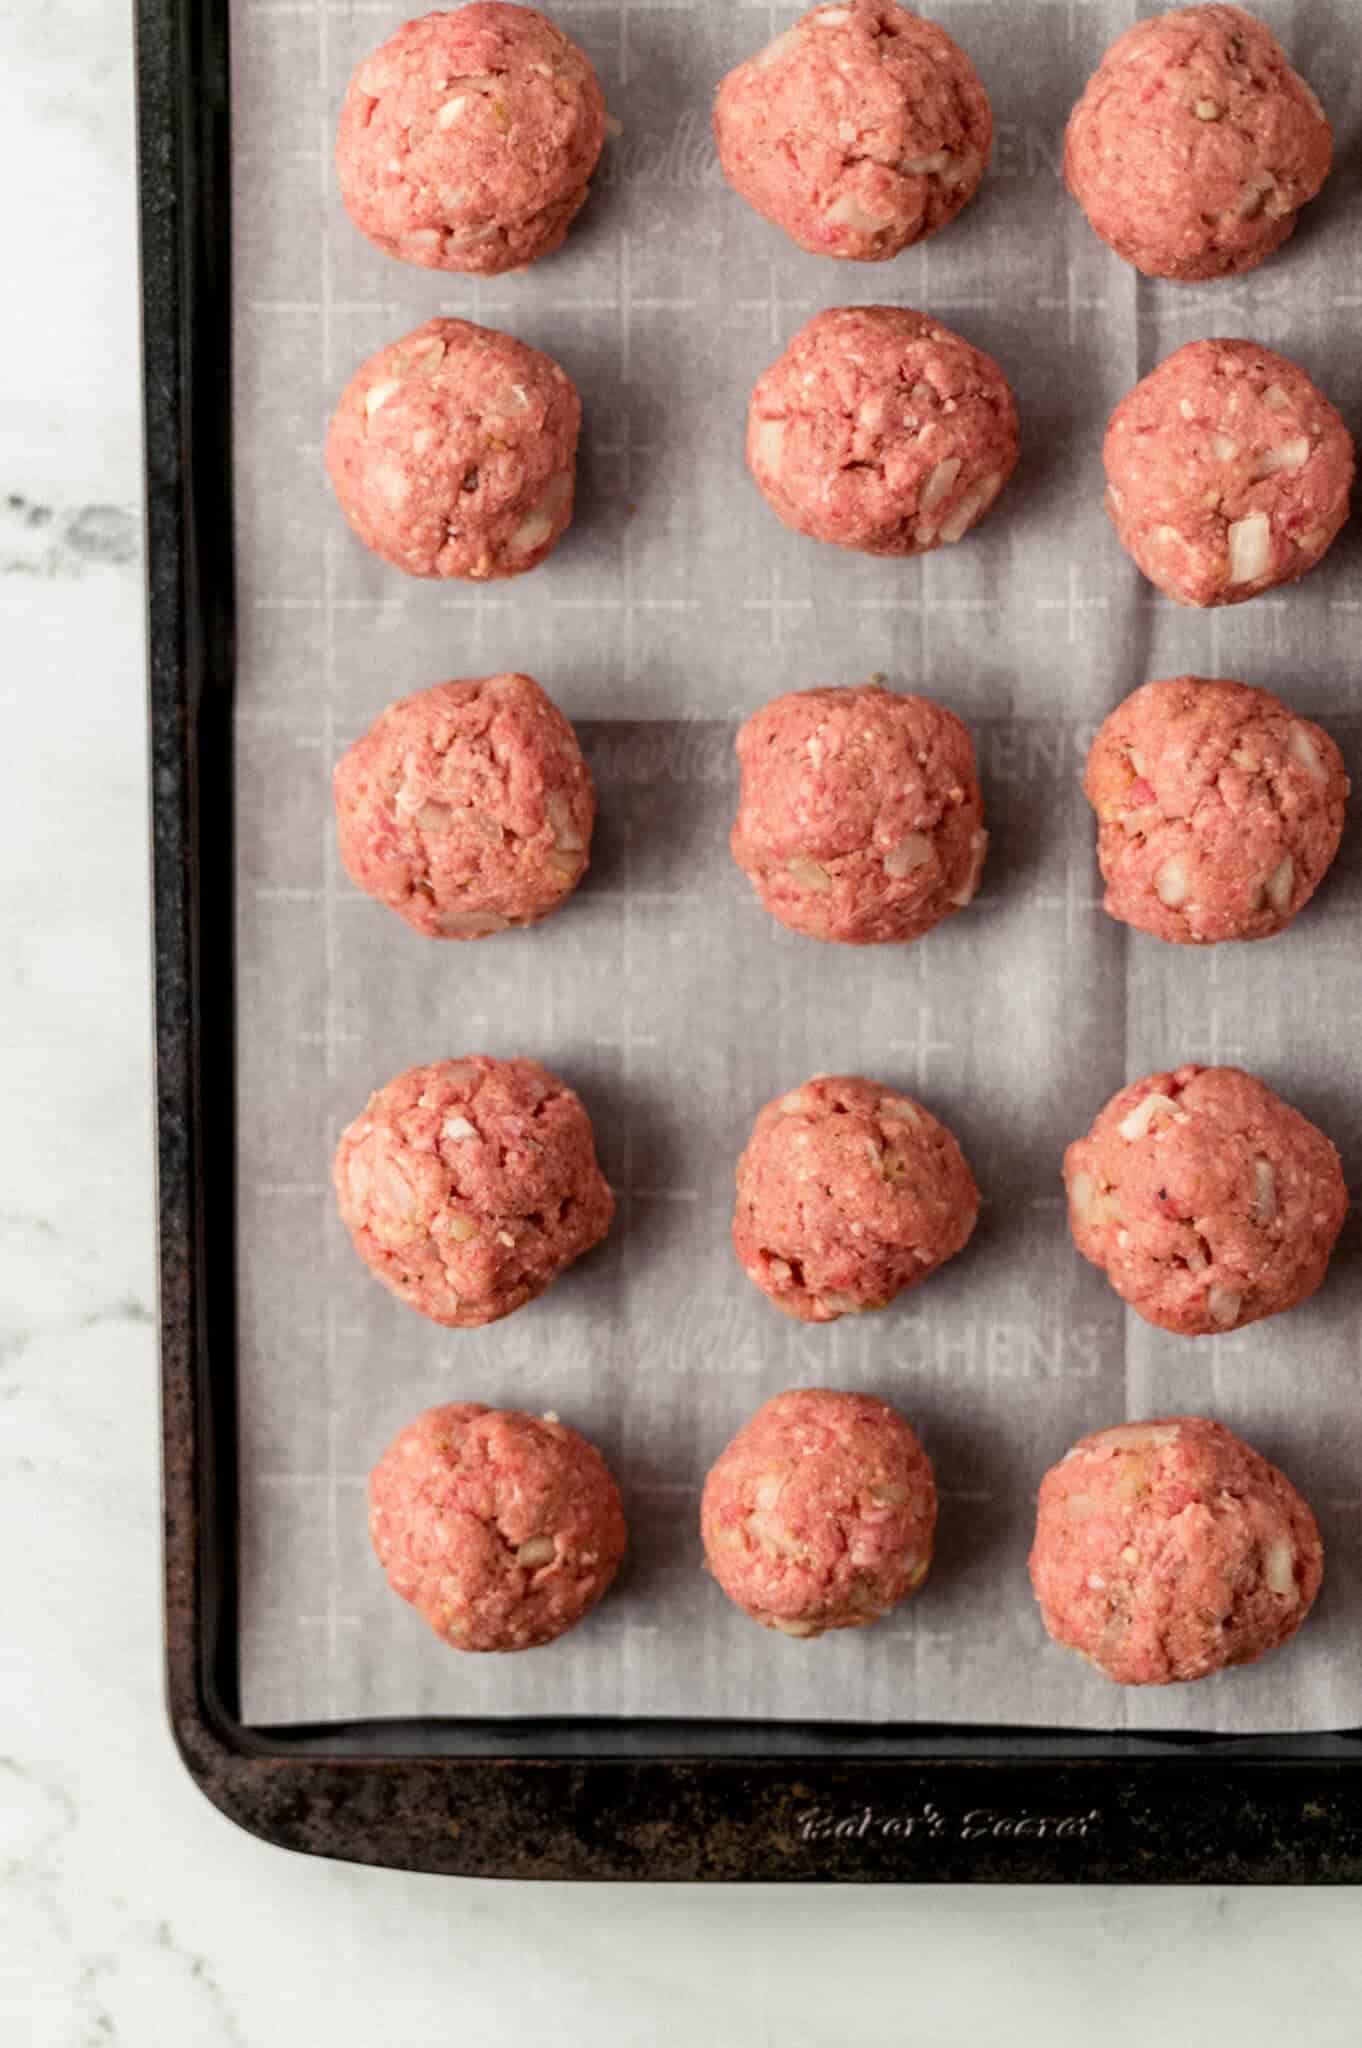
x=676 y=605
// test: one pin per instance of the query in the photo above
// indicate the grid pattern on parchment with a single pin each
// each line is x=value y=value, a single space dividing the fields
x=674 y=607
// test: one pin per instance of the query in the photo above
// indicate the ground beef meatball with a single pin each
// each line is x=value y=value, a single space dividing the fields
x=1218 y=810
x=467 y=808
x=469 y=1186
x=880 y=430
x=468 y=139
x=1227 y=472
x=860 y=818
x=1207 y=1200
x=1195 y=143
x=820 y=1514
x=847 y=1195
x=453 y=452
x=1168 y=1550
x=860 y=131
x=503 y=1530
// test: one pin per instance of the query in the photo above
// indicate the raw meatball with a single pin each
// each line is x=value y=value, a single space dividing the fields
x=453 y=452
x=467 y=808
x=820 y=1514
x=1208 y=1201
x=859 y=131
x=860 y=817
x=1218 y=811
x=1168 y=1550
x=1227 y=472
x=881 y=431
x=467 y=140
x=503 y=1530
x=469 y=1186
x=1195 y=143
x=847 y=1194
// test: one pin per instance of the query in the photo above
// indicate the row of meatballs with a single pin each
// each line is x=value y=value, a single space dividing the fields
x=1164 y=1551
x=453 y=452
x=468 y=139
x=469 y=809
x=469 y=1185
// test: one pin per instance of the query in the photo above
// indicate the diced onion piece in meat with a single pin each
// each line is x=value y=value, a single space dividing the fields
x=1280 y=883
x=1223 y=1305
x=1172 y=883
x=939 y=483
x=848 y=212
x=973 y=503
x=378 y=395
x=566 y=834
x=1264 y=1192
x=768 y=442
x=809 y=873
x=969 y=889
x=538 y=524
x=1250 y=548
x=1279 y=1569
x=913 y=852
x=1291 y=455
x=1091 y=1204
x=1136 y=1124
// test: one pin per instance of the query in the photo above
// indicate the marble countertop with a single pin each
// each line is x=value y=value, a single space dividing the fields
x=131 y=1912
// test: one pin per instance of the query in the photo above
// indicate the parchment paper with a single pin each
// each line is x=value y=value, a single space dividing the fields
x=675 y=607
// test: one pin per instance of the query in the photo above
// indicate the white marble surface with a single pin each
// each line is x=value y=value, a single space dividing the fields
x=129 y=1911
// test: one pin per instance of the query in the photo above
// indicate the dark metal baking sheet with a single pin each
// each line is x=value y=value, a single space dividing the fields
x=594 y=1798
